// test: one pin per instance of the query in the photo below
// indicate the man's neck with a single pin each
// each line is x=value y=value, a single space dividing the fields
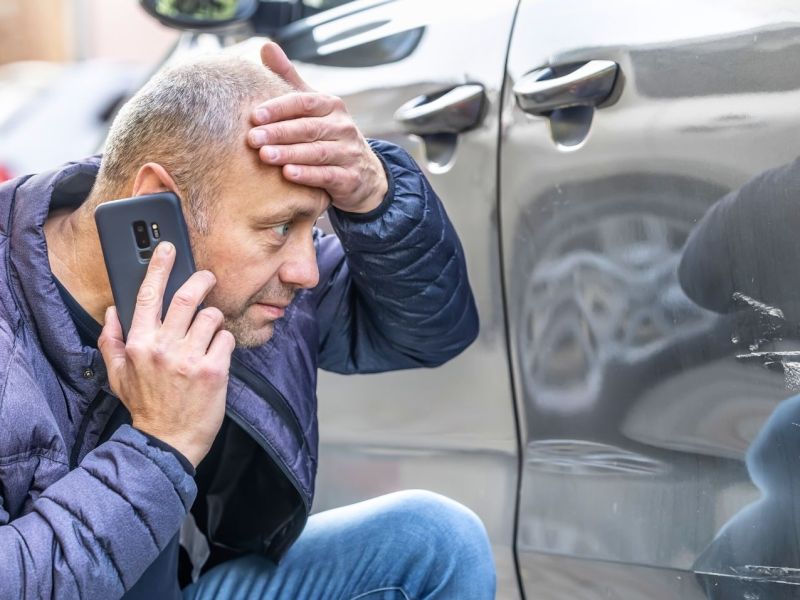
x=73 y=248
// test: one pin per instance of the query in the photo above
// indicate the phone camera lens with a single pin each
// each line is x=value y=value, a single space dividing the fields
x=141 y=234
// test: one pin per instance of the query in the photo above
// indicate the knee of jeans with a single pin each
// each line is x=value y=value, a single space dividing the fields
x=445 y=524
x=444 y=542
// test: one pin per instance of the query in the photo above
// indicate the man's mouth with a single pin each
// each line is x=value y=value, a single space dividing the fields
x=272 y=311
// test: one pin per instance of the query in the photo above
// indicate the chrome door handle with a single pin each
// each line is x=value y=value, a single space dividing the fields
x=539 y=92
x=452 y=111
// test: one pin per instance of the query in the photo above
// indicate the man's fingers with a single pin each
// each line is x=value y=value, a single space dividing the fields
x=275 y=58
x=293 y=106
x=336 y=180
x=202 y=330
x=147 y=314
x=298 y=131
x=185 y=303
x=220 y=350
x=315 y=153
x=110 y=342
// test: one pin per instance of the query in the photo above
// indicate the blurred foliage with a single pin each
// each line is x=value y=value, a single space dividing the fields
x=212 y=10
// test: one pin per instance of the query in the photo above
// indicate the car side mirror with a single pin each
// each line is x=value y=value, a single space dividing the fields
x=200 y=15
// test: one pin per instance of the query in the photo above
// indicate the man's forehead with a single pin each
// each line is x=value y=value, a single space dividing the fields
x=288 y=208
x=271 y=194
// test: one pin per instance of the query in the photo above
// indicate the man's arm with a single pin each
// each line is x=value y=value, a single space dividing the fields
x=394 y=290
x=94 y=532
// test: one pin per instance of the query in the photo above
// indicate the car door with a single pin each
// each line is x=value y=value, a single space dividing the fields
x=426 y=75
x=648 y=199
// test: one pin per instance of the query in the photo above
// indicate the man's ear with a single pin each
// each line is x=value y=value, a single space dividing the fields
x=153 y=178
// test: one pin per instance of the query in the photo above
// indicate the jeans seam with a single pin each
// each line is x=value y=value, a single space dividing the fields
x=383 y=589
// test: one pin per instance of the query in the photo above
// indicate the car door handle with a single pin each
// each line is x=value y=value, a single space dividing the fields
x=451 y=111
x=540 y=92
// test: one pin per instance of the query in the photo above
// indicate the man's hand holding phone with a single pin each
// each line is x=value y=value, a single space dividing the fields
x=172 y=376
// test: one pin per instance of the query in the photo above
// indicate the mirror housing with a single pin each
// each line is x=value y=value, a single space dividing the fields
x=200 y=15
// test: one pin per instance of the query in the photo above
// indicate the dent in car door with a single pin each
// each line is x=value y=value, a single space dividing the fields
x=653 y=463
x=427 y=76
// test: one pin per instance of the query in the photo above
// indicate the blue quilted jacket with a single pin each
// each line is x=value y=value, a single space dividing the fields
x=82 y=520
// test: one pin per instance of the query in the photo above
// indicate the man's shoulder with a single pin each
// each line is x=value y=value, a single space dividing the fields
x=20 y=365
x=8 y=336
x=23 y=401
x=13 y=358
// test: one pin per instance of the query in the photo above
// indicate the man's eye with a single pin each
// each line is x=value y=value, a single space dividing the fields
x=281 y=230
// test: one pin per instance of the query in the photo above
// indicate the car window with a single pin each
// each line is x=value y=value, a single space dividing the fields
x=366 y=34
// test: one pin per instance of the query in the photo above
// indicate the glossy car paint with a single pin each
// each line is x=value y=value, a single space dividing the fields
x=638 y=405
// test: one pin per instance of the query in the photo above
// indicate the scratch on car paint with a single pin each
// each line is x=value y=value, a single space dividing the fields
x=791 y=375
x=766 y=573
x=770 y=320
x=773 y=356
x=760 y=307
x=788 y=361
x=758 y=574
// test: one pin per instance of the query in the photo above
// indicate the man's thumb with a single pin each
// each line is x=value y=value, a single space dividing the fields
x=276 y=60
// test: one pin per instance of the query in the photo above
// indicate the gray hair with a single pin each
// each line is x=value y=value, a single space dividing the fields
x=187 y=118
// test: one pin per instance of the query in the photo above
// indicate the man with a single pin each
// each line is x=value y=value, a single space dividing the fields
x=104 y=452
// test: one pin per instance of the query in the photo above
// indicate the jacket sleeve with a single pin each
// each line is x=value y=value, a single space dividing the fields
x=93 y=532
x=394 y=291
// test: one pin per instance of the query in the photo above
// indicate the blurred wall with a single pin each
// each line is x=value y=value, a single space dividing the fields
x=66 y=30
x=121 y=29
x=35 y=30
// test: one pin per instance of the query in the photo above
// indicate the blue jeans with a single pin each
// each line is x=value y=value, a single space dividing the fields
x=409 y=545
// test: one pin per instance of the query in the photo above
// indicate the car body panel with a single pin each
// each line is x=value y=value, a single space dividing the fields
x=637 y=407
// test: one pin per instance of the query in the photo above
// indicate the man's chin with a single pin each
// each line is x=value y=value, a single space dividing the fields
x=248 y=336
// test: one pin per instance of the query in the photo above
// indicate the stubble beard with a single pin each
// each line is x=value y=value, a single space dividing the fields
x=246 y=333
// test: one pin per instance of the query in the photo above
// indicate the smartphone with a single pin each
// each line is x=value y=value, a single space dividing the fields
x=129 y=231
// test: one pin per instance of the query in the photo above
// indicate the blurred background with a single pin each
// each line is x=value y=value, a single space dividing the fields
x=65 y=66
x=75 y=30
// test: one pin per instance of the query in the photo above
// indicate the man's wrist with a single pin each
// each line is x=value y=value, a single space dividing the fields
x=379 y=195
x=162 y=445
x=176 y=443
x=375 y=186
x=372 y=201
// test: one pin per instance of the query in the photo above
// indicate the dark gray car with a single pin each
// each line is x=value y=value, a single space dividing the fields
x=622 y=177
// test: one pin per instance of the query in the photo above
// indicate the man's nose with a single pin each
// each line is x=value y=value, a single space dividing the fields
x=300 y=266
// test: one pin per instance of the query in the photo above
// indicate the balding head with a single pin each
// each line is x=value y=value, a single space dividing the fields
x=188 y=118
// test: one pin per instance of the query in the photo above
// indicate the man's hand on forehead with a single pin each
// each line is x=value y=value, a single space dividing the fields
x=314 y=138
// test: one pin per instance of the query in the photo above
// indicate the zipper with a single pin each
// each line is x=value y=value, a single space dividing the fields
x=76 y=448
x=250 y=430
x=270 y=394
x=264 y=388
x=292 y=529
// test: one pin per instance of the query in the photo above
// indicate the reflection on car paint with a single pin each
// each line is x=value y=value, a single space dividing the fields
x=706 y=106
x=757 y=552
x=579 y=457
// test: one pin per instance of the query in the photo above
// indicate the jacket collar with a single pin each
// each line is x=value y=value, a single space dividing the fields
x=32 y=279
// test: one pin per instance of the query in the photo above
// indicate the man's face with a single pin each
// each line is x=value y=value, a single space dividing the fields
x=259 y=246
